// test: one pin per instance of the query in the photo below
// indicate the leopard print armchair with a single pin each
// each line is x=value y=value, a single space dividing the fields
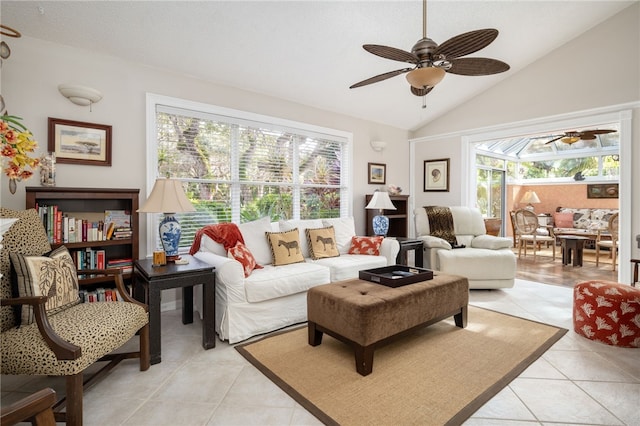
x=68 y=341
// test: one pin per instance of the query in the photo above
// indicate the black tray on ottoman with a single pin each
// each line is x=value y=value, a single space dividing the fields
x=396 y=275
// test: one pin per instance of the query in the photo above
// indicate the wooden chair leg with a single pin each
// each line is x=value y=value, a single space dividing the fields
x=614 y=253
x=145 y=354
x=74 y=400
x=597 y=254
x=635 y=271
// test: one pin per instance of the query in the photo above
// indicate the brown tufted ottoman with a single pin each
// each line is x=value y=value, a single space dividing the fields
x=607 y=312
x=368 y=315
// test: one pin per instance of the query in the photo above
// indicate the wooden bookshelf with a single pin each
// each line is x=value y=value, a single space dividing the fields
x=398 y=219
x=93 y=202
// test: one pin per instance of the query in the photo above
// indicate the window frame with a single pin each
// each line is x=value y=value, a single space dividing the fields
x=153 y=100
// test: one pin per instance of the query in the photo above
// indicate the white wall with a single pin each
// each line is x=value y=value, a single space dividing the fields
x=36 y=67
x=576 y=77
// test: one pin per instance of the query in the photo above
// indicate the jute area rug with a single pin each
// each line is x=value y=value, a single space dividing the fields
x=439 y=375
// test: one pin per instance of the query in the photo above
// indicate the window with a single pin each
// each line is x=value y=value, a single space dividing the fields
x=240 y=167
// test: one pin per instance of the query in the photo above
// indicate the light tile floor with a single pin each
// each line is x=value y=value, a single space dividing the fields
x=576 y=382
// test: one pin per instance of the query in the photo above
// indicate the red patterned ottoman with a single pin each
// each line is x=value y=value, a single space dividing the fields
x=607 y=312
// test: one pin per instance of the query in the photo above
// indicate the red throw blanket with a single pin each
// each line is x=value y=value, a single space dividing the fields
x=227 y=234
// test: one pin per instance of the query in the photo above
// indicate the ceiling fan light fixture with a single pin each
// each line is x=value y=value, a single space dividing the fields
x=425 y=77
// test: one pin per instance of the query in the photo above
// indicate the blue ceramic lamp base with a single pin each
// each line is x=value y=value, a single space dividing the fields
x=380 y=225
x=170 y=233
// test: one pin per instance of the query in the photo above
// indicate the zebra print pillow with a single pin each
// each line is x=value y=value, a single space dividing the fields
x=285 y=247
x=322 y=243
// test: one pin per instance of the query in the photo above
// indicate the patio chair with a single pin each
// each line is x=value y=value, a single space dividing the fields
x=610 y=244
x=45 y=330
x=529 y=232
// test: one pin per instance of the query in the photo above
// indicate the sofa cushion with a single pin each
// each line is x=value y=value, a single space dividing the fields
x=344 y=228
x=491 y=242
x=478 y=264
x=322 y=243
x=14 y=241
x=366 y=245
x=563 y=219
x=278 y=281
x=347 y=266
x=241 y=253
x=285 y=247
x=255 y=240
x=302 y=225
x=53 y=276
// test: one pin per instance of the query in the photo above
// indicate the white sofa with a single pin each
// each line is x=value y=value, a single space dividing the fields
x=487 y=261
x=276 y=296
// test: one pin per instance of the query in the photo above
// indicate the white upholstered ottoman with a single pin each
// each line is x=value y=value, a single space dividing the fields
x=485 y=269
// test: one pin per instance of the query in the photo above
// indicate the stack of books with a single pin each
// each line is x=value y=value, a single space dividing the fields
x=118 y=225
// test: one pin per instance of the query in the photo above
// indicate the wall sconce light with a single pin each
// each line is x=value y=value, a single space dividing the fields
x=378 y=146
x=80 y=95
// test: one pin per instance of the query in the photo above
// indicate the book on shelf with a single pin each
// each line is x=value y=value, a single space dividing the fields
x=100 y=295
x=75 y=227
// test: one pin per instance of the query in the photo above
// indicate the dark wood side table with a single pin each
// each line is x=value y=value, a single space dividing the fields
x=407 y=244
x=158 y=278
x=575 y=244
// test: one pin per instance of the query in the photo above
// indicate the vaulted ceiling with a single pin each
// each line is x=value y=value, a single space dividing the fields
x=307 y=51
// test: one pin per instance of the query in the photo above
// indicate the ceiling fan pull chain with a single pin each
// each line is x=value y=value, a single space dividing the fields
x=424 y=102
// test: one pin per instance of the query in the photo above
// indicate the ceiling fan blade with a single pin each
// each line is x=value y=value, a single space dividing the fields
x=599 y=132
x=379 y=77
x=391 y=53
x=467 y=43
x=420 y=92
x=587 y=136
x=477 y=66
x=555 y=139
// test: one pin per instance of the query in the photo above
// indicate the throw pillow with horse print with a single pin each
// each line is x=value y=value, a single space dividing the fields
x=285 y=247
x=322 y=243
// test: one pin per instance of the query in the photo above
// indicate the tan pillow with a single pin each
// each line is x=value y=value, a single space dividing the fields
x=322 y=243
x=53 y=275
x=285 y=247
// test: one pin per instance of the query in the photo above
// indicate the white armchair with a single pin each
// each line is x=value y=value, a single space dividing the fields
x=487 y=261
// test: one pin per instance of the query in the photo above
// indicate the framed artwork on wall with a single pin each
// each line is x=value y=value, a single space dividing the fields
x=377 y=173
x=75 y=142
x=602 y=190
x=436 y=175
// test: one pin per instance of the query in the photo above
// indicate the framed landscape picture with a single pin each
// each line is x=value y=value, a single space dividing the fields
x=75 y=142
x=436 y=175
x=377 y=173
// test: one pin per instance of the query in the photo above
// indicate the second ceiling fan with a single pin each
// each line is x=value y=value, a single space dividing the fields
x=431 y=61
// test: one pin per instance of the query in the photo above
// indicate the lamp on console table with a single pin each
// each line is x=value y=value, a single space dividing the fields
x=380 y=201
x=169 y=198
x=530 y=197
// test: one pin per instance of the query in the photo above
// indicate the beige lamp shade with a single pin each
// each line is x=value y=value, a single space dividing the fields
x=381 y=201
x=167 y=196
x=425 y=77
x=530 y=197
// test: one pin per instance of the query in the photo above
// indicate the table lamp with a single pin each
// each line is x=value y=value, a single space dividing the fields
x=530 y=197
x=169 y=198
x=380 y=201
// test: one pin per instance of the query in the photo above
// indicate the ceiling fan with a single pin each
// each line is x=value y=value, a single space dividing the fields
x=572 y=137
x=431 y=60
